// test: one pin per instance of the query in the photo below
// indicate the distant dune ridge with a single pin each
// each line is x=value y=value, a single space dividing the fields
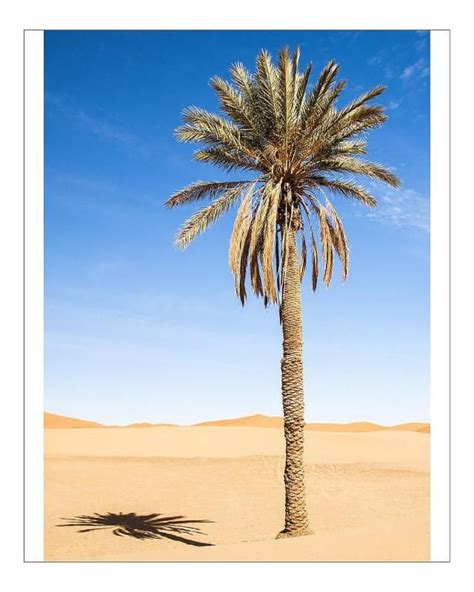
x=54 y=421
x=51 y=420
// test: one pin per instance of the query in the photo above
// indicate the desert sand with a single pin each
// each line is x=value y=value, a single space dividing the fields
x=368 y=494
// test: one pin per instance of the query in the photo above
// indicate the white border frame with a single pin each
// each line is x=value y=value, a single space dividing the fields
x=33 y=296
x=440 y=295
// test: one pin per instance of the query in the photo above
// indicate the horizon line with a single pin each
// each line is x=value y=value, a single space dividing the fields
x=230 y=420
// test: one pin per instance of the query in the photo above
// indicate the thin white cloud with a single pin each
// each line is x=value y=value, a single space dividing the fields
x=423 y=39
x=374 y=60
x=402 y=208
x=100 y=128
x=418 y=69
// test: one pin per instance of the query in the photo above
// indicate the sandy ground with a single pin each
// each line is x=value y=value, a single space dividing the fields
x=368 y=495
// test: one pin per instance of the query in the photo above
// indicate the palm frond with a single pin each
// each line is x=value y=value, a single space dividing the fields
x=234 y=105
x=241 y=292
x=266 y=79
x=301 y=84
x=354 y=105
x=200 y=190
x=315 y=131
x=228 y=160
x=206 y=216
x=257 y=240
x=207 y=128
x=339 y=239
x=349 y=164
x=285 y=91
x=325 y=79
x=315 y=260
x=304 y=252
x=348 y=147
x=345 y=188
x=269 y=242
x=368 y=118
x=243 y=80
x=239 y=235
x=326 y=244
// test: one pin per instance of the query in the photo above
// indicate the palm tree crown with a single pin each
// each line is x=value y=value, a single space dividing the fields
x=300 y=145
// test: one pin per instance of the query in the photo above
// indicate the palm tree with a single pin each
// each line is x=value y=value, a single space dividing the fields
x=298 y=144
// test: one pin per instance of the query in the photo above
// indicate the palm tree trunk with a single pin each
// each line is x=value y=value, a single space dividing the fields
x=296 y=515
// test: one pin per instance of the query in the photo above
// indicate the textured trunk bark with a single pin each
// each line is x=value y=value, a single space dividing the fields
x=296 y=515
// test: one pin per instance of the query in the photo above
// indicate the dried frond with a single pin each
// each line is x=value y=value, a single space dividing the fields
x=315 y=260
x=277 y=262
x=239 y=234
x=241 y=292
x=360 y=167
x=269 y=242
x=347 y=189
x=255 y=277
x=205 y=217
x=339 y=240
x=304 y=253
x=326 y=244
x=257 y=240
x=314 y=248
x=200 y=190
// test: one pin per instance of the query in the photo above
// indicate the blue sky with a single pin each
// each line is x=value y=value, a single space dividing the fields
x=138 y=331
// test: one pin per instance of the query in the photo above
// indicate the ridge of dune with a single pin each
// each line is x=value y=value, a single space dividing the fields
x=415 y=426
x=356 y=426
x=145 y=424
x=52 y=420
x=55 y=421
x=271 y=421
x=255 y=421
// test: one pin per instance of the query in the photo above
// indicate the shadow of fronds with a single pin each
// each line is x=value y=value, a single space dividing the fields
x=149 y=526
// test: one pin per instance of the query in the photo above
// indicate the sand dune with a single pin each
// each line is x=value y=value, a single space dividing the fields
x=368 y=494
x=146 y=425
x=256 y=421
x=53 y=421
x=267 y=421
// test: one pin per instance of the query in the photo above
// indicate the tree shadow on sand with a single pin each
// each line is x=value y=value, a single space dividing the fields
x=150 y=526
